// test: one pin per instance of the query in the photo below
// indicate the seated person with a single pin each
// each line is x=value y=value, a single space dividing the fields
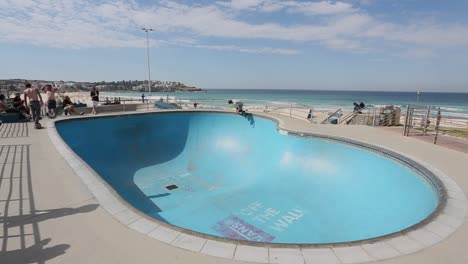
x=6 y=109
x=239 y=106
x=68 y=107
x=18 y=103
x=3 y=105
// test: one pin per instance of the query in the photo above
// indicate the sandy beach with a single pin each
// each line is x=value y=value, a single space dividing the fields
x=297 y=112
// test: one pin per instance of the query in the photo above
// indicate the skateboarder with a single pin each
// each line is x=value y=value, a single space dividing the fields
x=35 y=102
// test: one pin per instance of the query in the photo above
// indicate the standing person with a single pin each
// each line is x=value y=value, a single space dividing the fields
x=143 y=98
x=35 y=101
x=95 y=99
x=51 y=103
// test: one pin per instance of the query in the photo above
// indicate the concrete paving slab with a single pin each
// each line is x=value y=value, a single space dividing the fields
x=164 y=234
x=251 y=254
x=405 y=244
x=286 y=256
x=219 y=249
x=381 y=250
x=189 y=242
x=353 y=254
x=320 y=255
x=143 y=225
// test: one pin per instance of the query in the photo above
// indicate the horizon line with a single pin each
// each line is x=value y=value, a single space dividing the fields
x=249 y=88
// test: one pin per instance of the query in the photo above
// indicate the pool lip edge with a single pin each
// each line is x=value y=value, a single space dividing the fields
x=72 y=158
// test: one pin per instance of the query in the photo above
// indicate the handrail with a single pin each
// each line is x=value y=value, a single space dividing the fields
x=328 y=117
x=348 y=116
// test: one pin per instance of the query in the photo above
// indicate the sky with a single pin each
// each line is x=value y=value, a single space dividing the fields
x=381 y=45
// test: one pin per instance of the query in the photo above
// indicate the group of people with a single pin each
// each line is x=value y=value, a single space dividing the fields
x=29 y=107
x=17 y=107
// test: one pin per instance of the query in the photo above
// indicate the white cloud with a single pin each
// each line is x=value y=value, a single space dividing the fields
x=321 y=8
x=338 y=25
x=311 y=8
x=264 y=50
x=242 y=4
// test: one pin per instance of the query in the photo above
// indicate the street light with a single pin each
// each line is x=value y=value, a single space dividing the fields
x=149 y=70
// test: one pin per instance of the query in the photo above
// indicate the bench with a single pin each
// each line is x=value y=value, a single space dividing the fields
x=10 y=117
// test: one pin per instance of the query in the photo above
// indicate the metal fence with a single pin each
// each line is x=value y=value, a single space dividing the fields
x=432 y=120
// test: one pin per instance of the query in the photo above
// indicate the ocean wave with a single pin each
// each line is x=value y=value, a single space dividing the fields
x=319 y=102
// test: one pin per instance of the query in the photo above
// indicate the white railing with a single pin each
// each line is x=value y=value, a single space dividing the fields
x=296 y=110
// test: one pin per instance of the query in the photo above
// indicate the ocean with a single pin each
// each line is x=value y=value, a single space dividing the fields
x=316 y=99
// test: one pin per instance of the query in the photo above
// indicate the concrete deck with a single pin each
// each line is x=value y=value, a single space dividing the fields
x=48 y=215
x=455 y=143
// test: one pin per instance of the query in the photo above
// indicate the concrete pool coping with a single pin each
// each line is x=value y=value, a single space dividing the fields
x=428 y=234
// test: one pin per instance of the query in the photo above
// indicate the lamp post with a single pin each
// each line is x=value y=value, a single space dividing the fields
x=149 y=69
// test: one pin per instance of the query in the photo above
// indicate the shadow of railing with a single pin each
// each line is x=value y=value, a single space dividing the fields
x=14 y=130
x=43 y=215
x=20 y=238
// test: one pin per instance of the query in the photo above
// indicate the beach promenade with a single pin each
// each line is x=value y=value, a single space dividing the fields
x=48 y=215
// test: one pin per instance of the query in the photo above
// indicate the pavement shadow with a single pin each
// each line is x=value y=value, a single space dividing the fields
x=20 y=235
x=36 y=253
x=43 y=215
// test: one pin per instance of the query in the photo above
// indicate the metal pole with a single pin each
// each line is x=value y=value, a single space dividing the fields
x=149 y=68
x=426 y=123
x=373 y=118
x=406 y=120
x=148 y=57
x=439 y=116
